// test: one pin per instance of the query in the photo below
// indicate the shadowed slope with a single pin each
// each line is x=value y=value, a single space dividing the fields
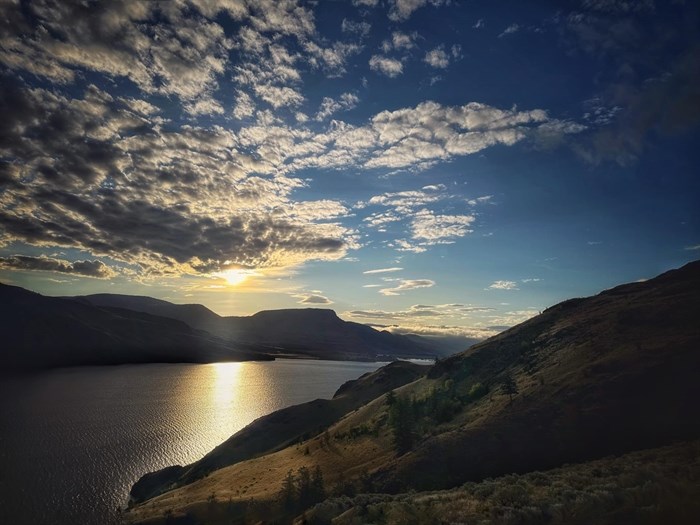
x=45 y=332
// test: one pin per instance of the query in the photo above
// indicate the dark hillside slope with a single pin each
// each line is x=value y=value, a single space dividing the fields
x=596 y=376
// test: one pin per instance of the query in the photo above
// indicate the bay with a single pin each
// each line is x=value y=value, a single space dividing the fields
x=73 y=441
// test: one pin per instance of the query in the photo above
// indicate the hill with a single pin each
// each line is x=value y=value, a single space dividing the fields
x=310 y=332
x=45 y=332
x=586 y=379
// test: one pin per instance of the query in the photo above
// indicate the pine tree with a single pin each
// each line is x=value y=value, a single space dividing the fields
x=509 y=387
x=289 y=491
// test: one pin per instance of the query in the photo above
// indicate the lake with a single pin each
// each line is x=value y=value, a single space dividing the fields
x=73 y=441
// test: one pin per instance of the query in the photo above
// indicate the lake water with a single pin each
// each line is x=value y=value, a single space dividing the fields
x=73 y=441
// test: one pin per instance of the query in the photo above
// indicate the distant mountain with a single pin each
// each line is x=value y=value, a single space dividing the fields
x=586 y=379
x=45 y=332
x=311 y=332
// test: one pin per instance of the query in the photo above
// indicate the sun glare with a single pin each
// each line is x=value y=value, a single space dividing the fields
x=235 y=276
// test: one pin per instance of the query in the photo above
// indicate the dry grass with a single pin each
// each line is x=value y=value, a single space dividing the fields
x=657 y=486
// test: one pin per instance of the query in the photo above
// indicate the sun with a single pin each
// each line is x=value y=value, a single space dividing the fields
x=235 y=276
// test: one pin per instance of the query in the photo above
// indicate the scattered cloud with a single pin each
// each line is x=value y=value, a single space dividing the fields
x=361 y=28
x=405 y=285
x=401 y=10
x=503 y=285
x=694 y=247
x=480 y=24
x=386 y=65
x=345 y=102
x=382 y=270
x=480 y=200
x=437 y=58
x=513 y=28
x=429 y=228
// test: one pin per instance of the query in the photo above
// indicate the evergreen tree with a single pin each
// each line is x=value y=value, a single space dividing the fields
x=402 y=421
x=318 y=490
x=289 y=491
x=509 y=387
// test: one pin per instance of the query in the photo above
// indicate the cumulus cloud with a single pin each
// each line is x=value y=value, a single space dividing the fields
x=430 y=228
x=85 y=268
x=405 y=285
x=437 y=58
x=503 y=285
x=401 y=10
x=106 y=176
x=182 y=56
x=386 y=65
x=95 y=176
x=345 y=102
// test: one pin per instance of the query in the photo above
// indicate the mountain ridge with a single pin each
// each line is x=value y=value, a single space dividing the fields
x=47 y=332
x=310 y=332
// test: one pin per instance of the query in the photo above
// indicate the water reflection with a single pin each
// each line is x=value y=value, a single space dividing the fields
x=225 y=383
x=73 y=441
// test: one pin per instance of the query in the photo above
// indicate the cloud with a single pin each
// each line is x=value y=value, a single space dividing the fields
x=182 y=56
x=430 y=228
x=401 y=10
x=47 y=264
x=513 y=28
x=402 y=245
x=313 y=299
x=399 y=41
x=480 y=24
x=437 y=58
x=382 y=270
x=651 y=83
x=422 y=311
x=693 y=247
x=406 y=285
x=480 y=200
x=476 y=334
x=278 y=96
x=360 y=28
x=385 y=65
x=97 y=177
x=503 y=285
x=104 y=175
x=345 y=102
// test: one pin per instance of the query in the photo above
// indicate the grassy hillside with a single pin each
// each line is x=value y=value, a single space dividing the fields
x=587 y=378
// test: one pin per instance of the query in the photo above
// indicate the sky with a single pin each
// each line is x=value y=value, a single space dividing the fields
x=428 y=166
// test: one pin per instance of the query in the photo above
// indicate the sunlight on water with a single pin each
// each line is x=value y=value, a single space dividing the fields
x=225 y=383
x=73 y=441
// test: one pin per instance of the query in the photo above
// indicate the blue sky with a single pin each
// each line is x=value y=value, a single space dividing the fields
x=432 y=166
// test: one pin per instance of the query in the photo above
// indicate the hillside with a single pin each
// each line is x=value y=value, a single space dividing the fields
x=282 y=428
x=586 y=379
x=311 y=332
x=45 y=332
